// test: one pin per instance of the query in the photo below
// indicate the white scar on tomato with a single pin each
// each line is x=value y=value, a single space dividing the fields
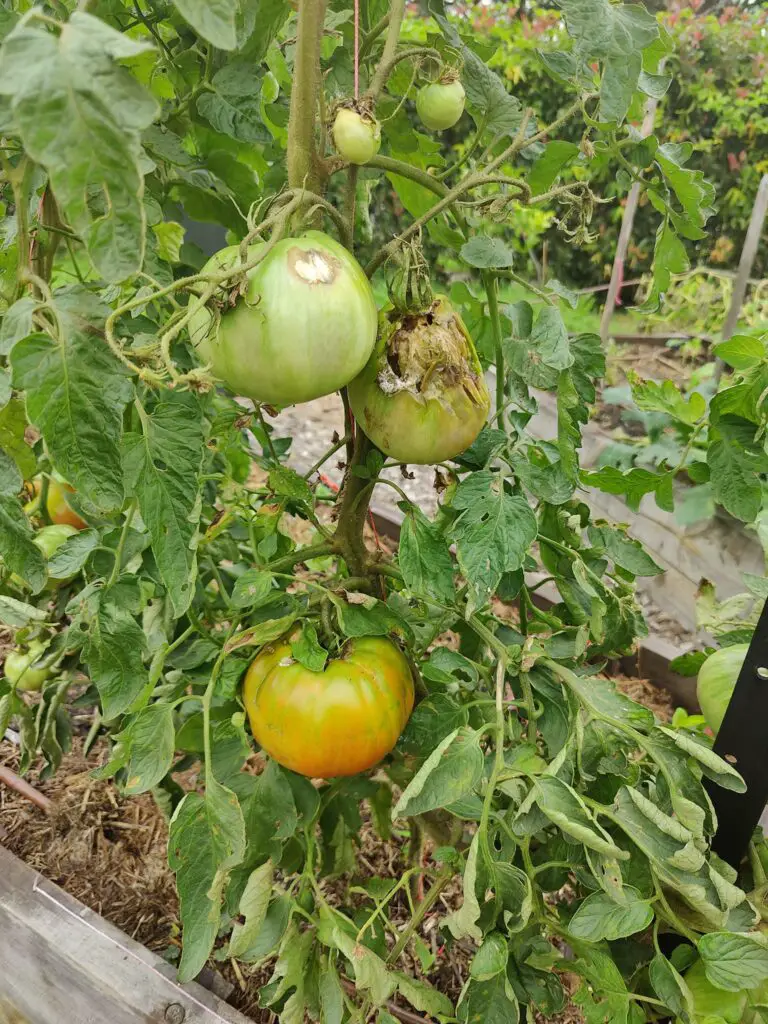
x=313 y=267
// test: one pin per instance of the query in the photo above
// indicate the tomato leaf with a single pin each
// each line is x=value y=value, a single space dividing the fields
x=307 y=650
x=162 y=466
x=149 y=742
x=423 y=556
x=215 y=20
x=253 y=589
x=599 y=917
x=671 y=988
x=734 y=962
x=76 y=392
x=493 y=532
x=452 y=770
x=19 y=553
x=113 y=652
x=80 y=114
x=70 y=558
x=207 y=839
x=254 y=904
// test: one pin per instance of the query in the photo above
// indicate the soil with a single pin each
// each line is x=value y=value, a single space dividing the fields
x=110 y=853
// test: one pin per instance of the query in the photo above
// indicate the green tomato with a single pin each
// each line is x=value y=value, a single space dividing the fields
x=422 y=396
x=304 y=328
x=440 y=104
x=19 y=670
x=50 y=538
x=716 y=682
x=710 y=1001
x=357 y=138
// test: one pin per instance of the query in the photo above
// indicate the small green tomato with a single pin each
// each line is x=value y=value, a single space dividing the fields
x=357 y=138
x=19 y=669
x=440 y=104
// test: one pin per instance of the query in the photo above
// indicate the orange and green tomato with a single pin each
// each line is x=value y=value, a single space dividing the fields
x=340 y=721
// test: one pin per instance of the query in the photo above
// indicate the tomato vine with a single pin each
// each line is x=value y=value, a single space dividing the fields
x=570 y=828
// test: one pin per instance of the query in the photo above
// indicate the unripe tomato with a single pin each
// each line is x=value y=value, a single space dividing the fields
x=59 y=510
x=716 y=682
x=422 y=396
x=440 y=104
x=50 y=538
x=340 y=721
x=18 y=668
x=304 y=328
x=357 y=138
x=711 y=1001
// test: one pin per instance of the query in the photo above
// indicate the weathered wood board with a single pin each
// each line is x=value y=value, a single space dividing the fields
x=60 y=963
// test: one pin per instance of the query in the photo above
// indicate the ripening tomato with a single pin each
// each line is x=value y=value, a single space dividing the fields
x=716 y=682
x=304 y=328
x=19 y=668
x=440 y=104
x=422 y=396
x=58 y=508
x=713 y=1003
x=357 y=138
x=340 y=721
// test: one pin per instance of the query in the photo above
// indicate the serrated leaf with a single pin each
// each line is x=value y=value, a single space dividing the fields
x=170 y=237
x=491 y=958
x=462 y=923
x=486 y=253
x=452 y=770
x=618 y=86
x=215 y=20
x=600 y=918
x=233 y=105
x=79 y=115
x=262 y=633
x=489 y=1002
x=493 y=533
x=547 y=167
x=307 y=650
x=633 y=484
x=741 y=351
x=113 y=652
x=254 y=904
x=19 y=552
x=206 y=840
x=70 y=558
x=667 y=397
x=624 y=550
x=734 y=962
x=714 y=766
x=252 y=589
x=602 y=29
x=736 y=463
x=17 y=322
x=565 y=808
x=13 y=424
x=423 y=556
x=422 y=996
x=162 y=466
x=16 y=613
x=149 y=740
x=287 y=483
x=671 y=988
x=76 y=392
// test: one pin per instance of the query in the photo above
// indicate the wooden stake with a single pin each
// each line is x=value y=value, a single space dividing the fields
x=625 y=234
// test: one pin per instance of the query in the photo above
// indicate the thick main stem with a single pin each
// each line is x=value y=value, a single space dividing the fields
x=353 y=508
x=303 y=170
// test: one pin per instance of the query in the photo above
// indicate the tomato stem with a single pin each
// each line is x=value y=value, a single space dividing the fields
x=303 y=166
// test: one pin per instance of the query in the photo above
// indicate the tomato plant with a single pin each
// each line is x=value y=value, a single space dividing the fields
x=216 y=576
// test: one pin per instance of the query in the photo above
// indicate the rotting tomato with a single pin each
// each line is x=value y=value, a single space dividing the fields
x=340 y=721
x=357 y=136
x=304 y=328
x=422 y=397
x=716 y=682
x=20 y=671
x=440 y=104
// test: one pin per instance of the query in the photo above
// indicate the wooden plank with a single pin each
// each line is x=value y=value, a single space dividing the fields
x=748 y=253
x=61 y=963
